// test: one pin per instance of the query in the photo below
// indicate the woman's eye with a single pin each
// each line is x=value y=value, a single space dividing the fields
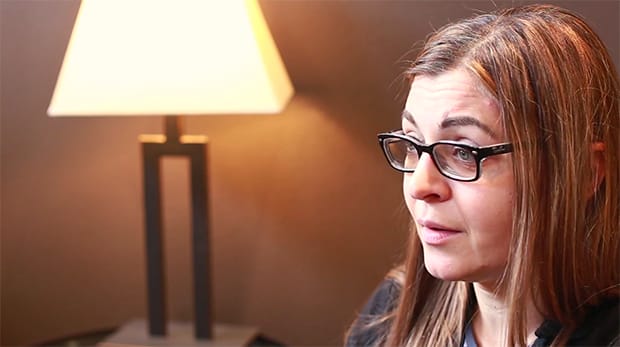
x=411 y=148
x=463 y=154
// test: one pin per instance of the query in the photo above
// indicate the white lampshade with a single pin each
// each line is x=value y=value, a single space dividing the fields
x=170 y=57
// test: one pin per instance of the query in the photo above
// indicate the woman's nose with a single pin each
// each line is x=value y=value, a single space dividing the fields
x=426 y=182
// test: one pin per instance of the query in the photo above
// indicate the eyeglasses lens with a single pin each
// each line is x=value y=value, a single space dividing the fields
x=403 y=154
x=452 y=160
x=455 y=161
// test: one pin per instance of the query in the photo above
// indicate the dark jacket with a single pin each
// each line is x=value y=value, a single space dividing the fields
x=601 y=327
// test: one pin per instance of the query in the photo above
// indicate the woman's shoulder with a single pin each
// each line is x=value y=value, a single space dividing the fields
x=372 y=322
x=601 y=326
x=383 y=298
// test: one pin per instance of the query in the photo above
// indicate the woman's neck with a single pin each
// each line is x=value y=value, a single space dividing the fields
x=490 y=320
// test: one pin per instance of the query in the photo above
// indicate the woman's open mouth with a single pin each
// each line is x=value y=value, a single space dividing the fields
x=436 y=234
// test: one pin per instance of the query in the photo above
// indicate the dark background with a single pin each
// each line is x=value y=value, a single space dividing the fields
x=306 y=215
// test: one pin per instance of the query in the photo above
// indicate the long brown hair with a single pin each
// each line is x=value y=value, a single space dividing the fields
x=558 y=93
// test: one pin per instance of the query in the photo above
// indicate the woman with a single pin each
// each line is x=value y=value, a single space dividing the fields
x=509 y=146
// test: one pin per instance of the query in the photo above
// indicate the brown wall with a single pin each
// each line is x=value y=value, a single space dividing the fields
x=306 y=216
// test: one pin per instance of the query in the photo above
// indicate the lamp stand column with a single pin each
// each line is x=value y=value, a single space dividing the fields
x=154 y=148
x=157 y=331
x=200 y=241
x=154 y=240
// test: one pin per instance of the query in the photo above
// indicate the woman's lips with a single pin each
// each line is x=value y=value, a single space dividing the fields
x=436 y=234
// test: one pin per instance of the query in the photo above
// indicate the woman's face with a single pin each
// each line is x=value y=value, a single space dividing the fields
x=464 y=227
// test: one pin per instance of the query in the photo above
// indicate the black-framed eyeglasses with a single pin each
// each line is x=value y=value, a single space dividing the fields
x=454 y=160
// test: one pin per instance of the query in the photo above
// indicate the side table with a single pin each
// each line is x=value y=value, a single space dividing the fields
x=134 y=333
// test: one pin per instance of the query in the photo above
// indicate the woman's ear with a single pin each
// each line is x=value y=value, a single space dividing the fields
x=598 y=165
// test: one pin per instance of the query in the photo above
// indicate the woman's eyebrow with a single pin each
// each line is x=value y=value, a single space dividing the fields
x=409 y=117
x=456 y=121
x=460 y=121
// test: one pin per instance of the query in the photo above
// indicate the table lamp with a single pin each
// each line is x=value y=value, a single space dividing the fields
x=172 y=58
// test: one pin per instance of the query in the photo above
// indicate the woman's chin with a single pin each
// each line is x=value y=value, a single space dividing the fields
x=444 y=272
x=459 y=270
x=445 y=265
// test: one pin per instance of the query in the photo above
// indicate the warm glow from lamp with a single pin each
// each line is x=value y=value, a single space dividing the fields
x=170 y=57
